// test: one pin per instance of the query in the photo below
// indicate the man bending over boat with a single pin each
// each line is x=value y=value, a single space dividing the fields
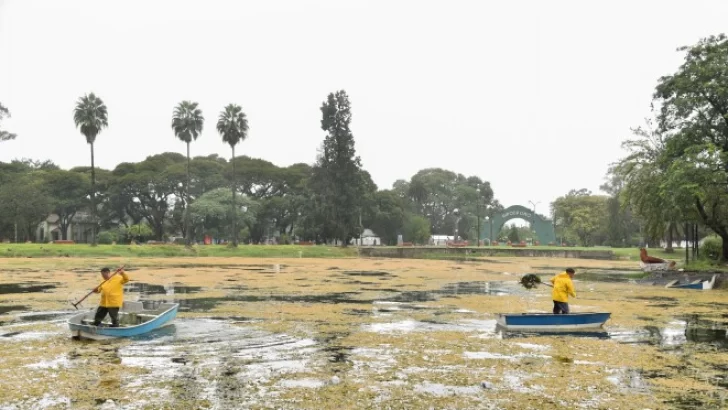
x=563 y=287
x=112 y=296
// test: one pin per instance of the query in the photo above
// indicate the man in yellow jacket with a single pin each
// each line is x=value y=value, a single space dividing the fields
x=563 y=287
x=112 y=296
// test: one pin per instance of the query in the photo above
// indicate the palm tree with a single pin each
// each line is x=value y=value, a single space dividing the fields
x=233 y=127
x=91 y=117
x=187 y=123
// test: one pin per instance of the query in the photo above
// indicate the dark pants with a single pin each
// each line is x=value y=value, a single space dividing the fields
x=561 y=307
x=101 y=315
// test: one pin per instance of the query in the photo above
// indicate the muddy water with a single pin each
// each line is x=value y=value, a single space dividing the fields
x=363 y=334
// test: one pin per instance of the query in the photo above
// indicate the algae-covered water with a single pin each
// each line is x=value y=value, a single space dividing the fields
x=359 y=333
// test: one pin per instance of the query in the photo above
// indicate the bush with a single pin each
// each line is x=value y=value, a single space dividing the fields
x=108 y=237
x=712 y=248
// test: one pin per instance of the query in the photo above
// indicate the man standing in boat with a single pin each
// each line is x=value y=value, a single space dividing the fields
x=112 y=296
x=563 y=288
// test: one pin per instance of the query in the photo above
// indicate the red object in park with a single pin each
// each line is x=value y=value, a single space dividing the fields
x=208 y=240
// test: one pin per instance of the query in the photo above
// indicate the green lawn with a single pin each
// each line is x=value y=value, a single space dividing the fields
x=277 y=251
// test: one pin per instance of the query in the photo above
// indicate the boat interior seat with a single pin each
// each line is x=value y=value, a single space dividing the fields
x=104 y=323
x=131 y=307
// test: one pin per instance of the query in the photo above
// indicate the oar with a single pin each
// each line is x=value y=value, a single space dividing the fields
x=94 y=289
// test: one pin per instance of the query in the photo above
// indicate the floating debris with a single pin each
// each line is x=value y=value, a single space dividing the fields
x=530 y=281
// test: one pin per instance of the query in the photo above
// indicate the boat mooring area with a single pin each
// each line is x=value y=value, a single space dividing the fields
x=360 y=333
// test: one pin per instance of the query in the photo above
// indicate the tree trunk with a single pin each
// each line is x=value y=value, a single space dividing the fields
x=234 y=214
x=64 y=228
x=668 y=239
x=16 y=230
x=93 y=198
x=187 y=200
x=725 y=247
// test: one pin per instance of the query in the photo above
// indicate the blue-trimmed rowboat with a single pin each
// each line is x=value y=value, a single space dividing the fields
x=697 y=284
x=134 y=320
x=549 y=322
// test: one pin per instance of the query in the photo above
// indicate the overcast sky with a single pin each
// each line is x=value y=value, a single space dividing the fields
x=533 y=96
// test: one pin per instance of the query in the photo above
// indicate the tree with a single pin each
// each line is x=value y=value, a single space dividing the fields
x=67 y=191
x=416 y=229
x=187 y=122
x=582 y=215
x=621 y=223
x=147 y=189
x=5 y=135
x=24 y=201
x=693 y=114
x=388 y=216
x=698 y=182
x=644 y=172
x=233 y=127
x=338 y=180
x=210 y=212
x=90 y=115
x=513 y=234
x=435 y=193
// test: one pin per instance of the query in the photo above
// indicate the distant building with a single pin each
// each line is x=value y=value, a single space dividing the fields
x=440 y=240
x=78 y=230
x=368 y=238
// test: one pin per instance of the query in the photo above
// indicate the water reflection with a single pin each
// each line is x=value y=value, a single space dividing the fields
x=675 y=333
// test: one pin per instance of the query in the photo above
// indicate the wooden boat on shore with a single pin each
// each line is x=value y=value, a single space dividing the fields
x=550 y=322
x=134 y=320
x=700 y=284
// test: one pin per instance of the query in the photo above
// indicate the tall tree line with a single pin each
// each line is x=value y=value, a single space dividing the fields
x=170 y=194
x=676 y=170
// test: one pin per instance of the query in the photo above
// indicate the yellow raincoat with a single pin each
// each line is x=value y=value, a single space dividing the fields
x=112 y=292
x=563 y=287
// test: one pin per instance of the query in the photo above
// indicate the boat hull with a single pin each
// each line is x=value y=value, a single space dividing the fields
x=699 y=284
x=87 y=331
x=550 y=322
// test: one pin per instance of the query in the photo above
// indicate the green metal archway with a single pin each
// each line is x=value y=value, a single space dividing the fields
x=544 y=227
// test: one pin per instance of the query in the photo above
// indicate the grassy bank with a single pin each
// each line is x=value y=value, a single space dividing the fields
x=157 y=251
x=284 y=251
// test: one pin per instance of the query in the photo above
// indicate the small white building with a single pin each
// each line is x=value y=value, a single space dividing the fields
x=440 y=240
x=368 y=238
